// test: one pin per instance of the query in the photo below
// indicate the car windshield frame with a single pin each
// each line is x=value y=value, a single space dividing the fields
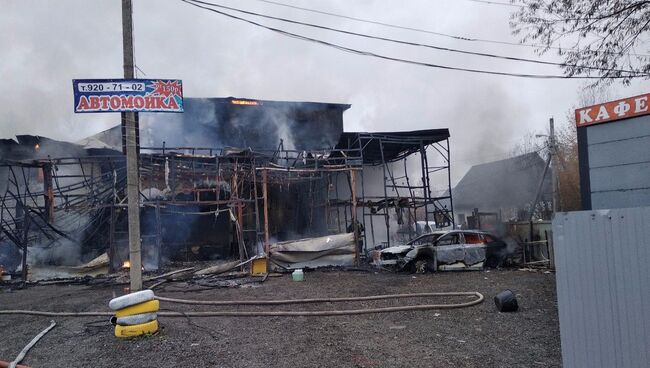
x=434 y=236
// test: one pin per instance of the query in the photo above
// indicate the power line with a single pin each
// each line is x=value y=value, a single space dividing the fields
x=496 y=3
x=420 y=30
x=367 y=53
x=406 y=42
x=368 y=21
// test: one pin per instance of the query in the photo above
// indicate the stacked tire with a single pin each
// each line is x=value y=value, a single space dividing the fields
x=135 y=314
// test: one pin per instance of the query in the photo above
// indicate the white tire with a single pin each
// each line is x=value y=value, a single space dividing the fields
x=136 y=319
x=131 y=299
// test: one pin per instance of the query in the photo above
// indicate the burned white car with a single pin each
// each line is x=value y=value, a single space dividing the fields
x=444 y=250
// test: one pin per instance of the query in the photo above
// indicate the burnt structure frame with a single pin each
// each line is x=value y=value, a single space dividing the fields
x=28 y=216
x=407 y=143
x=250 y=174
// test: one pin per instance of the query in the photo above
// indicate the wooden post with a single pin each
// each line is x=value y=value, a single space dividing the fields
x=265 y=195
x=240 y=216
x=112 y=251
x=48 y=193
x=355 y=223
x=25 y=240
x=158 y=236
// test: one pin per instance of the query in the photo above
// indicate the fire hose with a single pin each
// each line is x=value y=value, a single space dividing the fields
x=21 y=355
x=420 y=307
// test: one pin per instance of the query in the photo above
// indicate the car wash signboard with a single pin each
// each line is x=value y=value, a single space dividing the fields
x=127 y=95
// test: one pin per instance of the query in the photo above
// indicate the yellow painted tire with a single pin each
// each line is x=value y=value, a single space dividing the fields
x=146 y=307
x=136 y=330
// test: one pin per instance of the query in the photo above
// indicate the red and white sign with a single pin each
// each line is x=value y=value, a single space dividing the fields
x=613 y=110
x=119 y=95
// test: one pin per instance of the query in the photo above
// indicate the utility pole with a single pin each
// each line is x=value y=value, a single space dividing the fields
x=553 y=152
x=129 y=120
x=550 y=160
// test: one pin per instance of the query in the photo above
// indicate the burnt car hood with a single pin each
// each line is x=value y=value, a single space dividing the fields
x=398 y=249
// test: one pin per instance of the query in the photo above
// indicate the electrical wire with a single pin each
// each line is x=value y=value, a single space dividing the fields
x=420 y=30
x=406 y=61
x=496 y=3
x=392 y=40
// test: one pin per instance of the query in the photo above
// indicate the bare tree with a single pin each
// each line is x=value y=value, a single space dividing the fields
x=567 y=150
x=567 y=170
x=529 y=143
x=608 y=39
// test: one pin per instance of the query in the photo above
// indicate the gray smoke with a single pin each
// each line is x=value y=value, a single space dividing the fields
x=219 y=57
x=61 y=251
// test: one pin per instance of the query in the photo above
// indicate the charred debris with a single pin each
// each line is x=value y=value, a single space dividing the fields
x=226 y=179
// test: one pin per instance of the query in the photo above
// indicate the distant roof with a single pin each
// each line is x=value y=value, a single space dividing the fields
x=509 y=183
x=396 y=145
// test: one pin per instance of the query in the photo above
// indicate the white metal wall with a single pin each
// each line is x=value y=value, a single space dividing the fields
x=602 y=259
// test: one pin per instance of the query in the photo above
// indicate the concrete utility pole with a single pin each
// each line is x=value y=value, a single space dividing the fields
x=549 y=159
x=553 y=152
x=129 y=120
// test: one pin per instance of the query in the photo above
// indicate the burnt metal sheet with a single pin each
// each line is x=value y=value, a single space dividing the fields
x=397 y=249
x=332 y=250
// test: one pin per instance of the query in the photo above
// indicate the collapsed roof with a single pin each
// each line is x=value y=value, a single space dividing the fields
x=34 y=147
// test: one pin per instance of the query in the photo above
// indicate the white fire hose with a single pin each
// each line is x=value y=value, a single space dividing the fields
x=344 y=312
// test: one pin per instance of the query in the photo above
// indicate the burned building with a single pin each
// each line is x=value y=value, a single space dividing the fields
x=227 y=178
x=505 y=189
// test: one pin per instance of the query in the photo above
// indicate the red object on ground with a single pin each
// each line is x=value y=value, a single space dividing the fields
x=4 y=364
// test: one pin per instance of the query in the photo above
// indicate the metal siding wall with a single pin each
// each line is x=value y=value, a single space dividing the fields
x=603 y=287
x=622 y=199
x=619 y=163
x=610 y=153
x=621 y=177
x=617 y=130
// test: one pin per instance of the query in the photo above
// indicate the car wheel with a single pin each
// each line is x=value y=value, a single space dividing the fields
x=422 y=265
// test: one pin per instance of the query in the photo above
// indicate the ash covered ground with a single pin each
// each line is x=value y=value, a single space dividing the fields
x=477 y=336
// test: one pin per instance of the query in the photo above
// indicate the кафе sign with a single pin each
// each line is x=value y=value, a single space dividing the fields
x=614 y=158
x=613 y=110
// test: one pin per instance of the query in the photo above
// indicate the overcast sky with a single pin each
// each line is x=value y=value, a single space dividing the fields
x=44 y=45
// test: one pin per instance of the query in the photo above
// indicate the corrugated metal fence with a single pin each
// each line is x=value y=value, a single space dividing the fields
x=603 y=287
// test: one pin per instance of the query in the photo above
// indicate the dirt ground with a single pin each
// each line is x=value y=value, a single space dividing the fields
x=477 y=336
